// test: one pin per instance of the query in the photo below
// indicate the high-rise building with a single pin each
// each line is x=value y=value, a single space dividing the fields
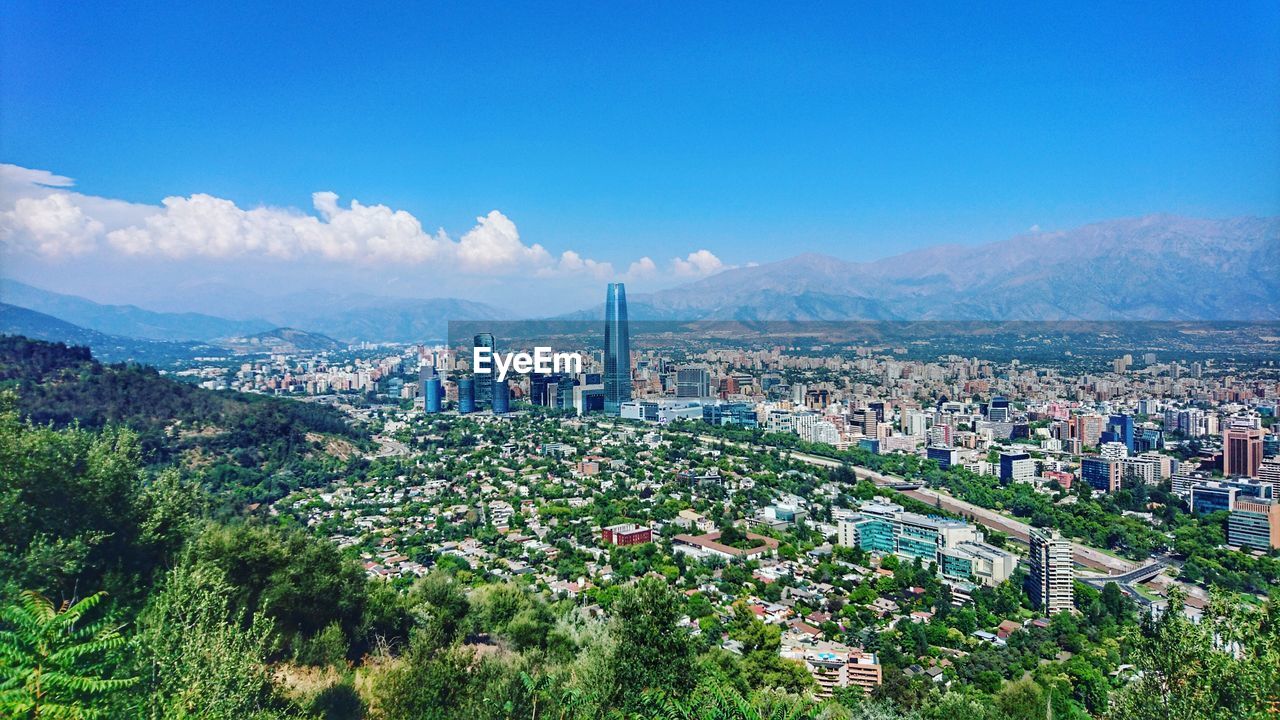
x=466 y=395
x=1013 y=468
x=1119 y=429
x=1102 y=474
x=1255 y=524
x=998 y=410
x=484 y=381
x=693 y=382
x=1241 y=451
x=432 y=390
x=617 y=349
x=1052 y=572
x=864 y=419
x=542 y=389
x=1087 y=428
x=501 y=398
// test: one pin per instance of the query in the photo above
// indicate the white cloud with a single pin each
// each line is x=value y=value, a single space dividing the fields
x=41 y=216
x=49 y=222
x=642 y=269
x=697 y=264
x=53 y=226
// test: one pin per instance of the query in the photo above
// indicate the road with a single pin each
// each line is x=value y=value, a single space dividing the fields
x=1084 y=555
x=389 y=447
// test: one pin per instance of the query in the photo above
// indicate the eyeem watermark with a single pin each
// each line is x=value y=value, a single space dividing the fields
x=542 y=360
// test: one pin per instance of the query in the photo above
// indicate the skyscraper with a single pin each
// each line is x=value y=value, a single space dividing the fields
x=1051 y=580
x=501 y=398
x=617 y=350
x=1241 y=451
x=484 y=381
x=432 y=390
x=466 y=395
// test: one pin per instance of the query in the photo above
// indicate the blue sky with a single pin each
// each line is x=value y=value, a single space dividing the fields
x=753 y=132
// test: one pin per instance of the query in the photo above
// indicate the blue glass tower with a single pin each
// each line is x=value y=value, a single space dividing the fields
x=617 y=350
x=501 y=398
x=484 y=381
x=1119 y=429
x=432 y=390
x=466 y=395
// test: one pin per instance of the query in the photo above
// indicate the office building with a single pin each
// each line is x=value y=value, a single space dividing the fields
x=1209 y=496
x=1016 y=466
x=543 y=389
x=1241 y=451
x=955 y=547
x=1269 y=471
x=944 y=456
x=693 y=382
x=466 y=395
x=864 y=420
x=1101 y=474
x=483 y=382
x=1051 y=582
x=998 y=410
x=501 y=398
x=1255 y=524
x=1119 y=429
x=977 y=562
x=617 y=350
x=432 y=390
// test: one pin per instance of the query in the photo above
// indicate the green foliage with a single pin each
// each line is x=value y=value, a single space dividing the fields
x=199 y=652
x=75 y=509
x=1225 y=666
x=301 y=582
x=49 y=659
x=653 y=652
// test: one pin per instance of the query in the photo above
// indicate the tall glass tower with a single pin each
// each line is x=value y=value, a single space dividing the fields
x=617 y=350
x=484 y=381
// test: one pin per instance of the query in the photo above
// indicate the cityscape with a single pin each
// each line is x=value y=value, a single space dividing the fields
x=823 y=363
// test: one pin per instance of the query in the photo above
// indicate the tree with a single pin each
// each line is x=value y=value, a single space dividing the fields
x=652 y=652
x=47 y=658
x=200 y=655
x=1225 y=666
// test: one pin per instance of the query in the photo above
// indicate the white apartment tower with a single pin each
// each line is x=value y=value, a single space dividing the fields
x=1052 y=575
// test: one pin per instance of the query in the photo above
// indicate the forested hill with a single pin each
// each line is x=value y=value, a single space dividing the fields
x=236 y=438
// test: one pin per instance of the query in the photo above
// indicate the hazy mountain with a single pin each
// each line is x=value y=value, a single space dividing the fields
x=282 y=340
x=16 y=320
x=355 y=318
x=1151 y=268
x=349 y=317
x=126 y=320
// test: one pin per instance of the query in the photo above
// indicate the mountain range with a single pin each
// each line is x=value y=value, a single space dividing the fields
x=1159 y=267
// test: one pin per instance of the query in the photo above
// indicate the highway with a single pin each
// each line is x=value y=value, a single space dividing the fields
x=1084 y=555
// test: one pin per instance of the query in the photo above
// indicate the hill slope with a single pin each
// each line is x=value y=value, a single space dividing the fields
x=111 y=348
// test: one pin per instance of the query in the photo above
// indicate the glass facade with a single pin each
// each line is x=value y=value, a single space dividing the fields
x=432 y=393
x=617 y=350
x=501 y=398
x=466 y=395
x=484 y=381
